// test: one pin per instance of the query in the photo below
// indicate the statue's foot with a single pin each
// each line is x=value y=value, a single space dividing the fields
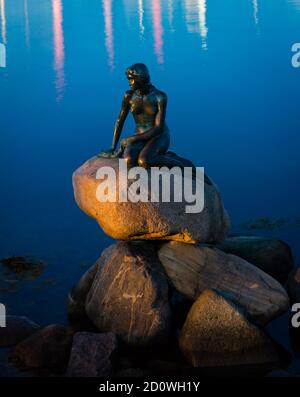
x=104 y=154
x=110 y=154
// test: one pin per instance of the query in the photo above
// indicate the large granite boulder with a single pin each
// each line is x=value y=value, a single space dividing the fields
x=149 y=220
x=192 y=269
x=271 y=255
x=126 y=292
x=217 y=333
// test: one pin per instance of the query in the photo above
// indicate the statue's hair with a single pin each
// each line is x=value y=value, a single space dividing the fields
x=139 y=70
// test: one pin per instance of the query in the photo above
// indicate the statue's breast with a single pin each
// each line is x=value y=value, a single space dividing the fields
x=140 y=105
x=137 y=106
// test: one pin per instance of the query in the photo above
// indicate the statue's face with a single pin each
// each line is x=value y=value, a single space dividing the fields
x=134 y=82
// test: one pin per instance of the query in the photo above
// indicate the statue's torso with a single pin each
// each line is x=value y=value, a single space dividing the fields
x=144 y=109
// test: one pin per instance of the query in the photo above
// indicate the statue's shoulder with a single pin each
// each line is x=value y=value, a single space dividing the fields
x=160 y=95
x=127 y=95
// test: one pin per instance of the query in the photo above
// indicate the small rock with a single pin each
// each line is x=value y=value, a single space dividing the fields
x=192 y=269
x=128 y=294
x=217 y=333
x=47 y=348
x=91 y=355
x=149 y=220
x=293 y=285
x=271 y=255
x=17 y=329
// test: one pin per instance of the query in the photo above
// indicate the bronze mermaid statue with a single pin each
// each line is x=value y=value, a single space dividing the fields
x=148 y=147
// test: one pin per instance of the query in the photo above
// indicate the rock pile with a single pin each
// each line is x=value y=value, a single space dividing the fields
x=224 y=282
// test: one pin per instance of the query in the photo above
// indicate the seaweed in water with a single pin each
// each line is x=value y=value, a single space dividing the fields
x=265 y=223
x=22 y=267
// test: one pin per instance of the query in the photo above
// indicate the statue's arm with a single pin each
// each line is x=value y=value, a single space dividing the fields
x=159 y=121
x=121 y=119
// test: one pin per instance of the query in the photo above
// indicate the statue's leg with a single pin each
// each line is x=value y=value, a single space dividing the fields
x=131 y=154
x=154 y=154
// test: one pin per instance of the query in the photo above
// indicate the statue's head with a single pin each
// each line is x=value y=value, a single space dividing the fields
x=138 y=76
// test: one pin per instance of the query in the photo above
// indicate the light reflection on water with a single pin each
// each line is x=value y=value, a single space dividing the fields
x=157 y=12
x=194 y=15
x=295 y=3
x=196 y=18
x=109 y=33
x=3 y=21
x=141 y=18
x=255 y=11
x=27 y=25
x=158 y=32
x=59 y=48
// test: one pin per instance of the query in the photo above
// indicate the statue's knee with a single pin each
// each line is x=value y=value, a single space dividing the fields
x=129 y=161
x=143 y=162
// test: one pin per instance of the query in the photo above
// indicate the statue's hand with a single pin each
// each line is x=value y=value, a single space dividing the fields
x=107 y=153
x=127 y=141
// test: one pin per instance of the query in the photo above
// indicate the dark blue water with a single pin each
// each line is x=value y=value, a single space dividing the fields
x=233 y=108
